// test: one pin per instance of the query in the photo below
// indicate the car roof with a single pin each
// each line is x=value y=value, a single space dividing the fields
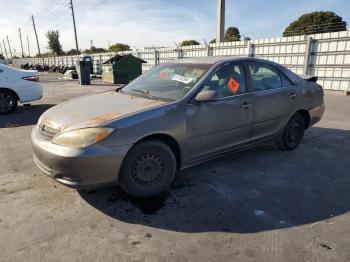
x=212 y=59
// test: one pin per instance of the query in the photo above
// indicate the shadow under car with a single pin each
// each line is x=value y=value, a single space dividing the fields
x=252 y=191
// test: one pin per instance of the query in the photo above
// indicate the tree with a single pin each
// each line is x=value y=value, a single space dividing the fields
x=47 y=54
x=118 y=47
x=73 y=51
x=189 y=42
x=316 y=22
x=232 y=34
x=94 y=50
x=54 y=42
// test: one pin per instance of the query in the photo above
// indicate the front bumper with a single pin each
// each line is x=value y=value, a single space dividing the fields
x=316 y=114
x=88 y=167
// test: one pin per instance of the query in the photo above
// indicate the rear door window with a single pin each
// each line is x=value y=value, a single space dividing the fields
x=264 y=77
x=285 y=81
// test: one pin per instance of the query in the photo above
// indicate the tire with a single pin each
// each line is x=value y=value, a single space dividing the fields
x=8 y=101
x=148 y=169
x=293 y=133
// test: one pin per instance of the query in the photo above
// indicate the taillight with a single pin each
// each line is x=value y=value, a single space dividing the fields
x=31 y=78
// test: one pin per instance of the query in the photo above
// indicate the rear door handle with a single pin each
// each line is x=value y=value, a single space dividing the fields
x=292 y=95
x=246 y=105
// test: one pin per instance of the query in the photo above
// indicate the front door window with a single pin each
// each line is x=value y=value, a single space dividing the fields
x=228 y=81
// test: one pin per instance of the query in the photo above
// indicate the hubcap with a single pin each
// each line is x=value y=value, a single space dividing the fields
x=148 y=169
x=7 y=102
x=293 y=133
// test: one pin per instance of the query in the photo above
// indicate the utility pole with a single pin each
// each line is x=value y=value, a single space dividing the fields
x=3 y=42
x=75 y=29
x=28 y=46
x=220 y=21
x=36 y=35
x=20 y=38
x=8 y=42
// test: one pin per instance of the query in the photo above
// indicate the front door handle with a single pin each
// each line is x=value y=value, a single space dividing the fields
x=246 y=105
x=292 y=95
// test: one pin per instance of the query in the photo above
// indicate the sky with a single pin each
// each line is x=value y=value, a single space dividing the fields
x=141 y=23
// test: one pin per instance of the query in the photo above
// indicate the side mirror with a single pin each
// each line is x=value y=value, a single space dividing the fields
x=207 y=96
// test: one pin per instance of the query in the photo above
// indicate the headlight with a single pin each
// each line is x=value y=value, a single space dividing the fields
x=82 y=137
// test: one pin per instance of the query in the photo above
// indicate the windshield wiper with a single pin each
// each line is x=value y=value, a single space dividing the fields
x=145 y=92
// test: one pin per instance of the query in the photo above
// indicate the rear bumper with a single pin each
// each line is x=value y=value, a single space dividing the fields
x=33 y=93
x=316 y=114
x=78 y=168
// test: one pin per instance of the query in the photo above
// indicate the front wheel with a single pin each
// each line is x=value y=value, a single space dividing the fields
x=148 y=169
x=8 y=102
x=293 y=133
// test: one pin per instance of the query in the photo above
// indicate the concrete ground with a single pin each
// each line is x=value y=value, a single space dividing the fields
x=257 y=205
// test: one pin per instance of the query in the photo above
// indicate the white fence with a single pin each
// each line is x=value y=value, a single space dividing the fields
x=325 y=55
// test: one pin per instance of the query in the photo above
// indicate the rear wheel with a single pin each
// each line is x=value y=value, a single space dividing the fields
x=8 y=101
x=293 y=133
x=148 y=169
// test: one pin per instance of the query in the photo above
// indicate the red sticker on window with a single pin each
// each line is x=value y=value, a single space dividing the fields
x=233 y=85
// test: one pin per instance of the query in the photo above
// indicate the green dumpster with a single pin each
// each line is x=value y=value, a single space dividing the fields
x=121 y=69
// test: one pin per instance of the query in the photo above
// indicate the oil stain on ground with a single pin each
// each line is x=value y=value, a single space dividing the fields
x=151 y=205
x=148 y=206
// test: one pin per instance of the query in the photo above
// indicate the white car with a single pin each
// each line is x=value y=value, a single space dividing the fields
x=18 y=86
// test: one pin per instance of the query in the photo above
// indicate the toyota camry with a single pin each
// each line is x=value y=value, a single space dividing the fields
x=175 y=115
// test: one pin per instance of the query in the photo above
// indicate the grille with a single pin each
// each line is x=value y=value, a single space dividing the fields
x=48 y=133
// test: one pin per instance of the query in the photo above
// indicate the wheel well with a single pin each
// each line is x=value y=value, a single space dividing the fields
x=13 y=92
x=305 y=114
x=169 y=141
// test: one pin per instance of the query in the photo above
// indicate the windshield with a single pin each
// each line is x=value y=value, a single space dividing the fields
x=168 y=82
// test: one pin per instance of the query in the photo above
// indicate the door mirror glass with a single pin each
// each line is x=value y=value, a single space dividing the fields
x=207 y=96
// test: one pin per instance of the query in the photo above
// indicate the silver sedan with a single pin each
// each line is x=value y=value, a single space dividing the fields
x=174 y=116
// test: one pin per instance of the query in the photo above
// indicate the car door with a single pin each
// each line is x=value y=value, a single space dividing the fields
x=216 y=126
x=2 y=77
x=275 y=99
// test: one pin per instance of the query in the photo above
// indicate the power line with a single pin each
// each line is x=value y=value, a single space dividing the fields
x=55 y=22
x=52 y=17
x=44 y=13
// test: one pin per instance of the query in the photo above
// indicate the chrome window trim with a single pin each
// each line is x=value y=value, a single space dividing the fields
x=283 y=87
x=233 y=96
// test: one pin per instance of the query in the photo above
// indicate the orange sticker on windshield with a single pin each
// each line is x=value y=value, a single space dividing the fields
x=163 y=75
x=233 y=85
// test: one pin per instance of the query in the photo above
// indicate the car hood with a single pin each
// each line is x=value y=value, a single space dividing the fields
x=94 y=110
